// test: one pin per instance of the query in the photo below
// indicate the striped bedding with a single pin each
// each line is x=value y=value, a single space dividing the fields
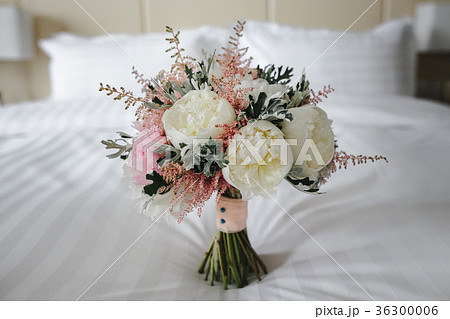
x=380 y=231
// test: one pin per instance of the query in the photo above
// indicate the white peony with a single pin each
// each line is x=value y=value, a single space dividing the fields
x=259 y=159
x=261 y=85
x=195 y=115
x=311 y=129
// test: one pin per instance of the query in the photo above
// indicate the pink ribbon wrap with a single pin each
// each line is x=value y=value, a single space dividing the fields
x=231 y=215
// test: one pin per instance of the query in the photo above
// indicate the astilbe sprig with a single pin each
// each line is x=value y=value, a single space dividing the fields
x=194 y=190
x=177 y=53
x=155 y=89
x=229 y=131
x=316 y=98
x=148 y=118
x=171 y=172
x=341 y=160
x=150 y=91
x=235 y=55
x=234 y=67
x=121 y=93
x=141 y=79
x=152 y=118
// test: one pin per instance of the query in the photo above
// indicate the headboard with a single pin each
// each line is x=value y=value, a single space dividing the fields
x=29 y=80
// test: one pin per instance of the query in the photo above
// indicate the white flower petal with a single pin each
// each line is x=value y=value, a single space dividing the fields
x=258 y=171
x=261 y=85
x=310 y=122
x=196 y=115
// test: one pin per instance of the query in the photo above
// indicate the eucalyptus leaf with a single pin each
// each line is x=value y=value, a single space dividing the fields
x=164 y=148
x=123 y=150
x=206 y=158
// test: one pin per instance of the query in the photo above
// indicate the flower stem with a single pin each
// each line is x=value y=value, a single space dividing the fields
x=201 y=269
x=231 y=258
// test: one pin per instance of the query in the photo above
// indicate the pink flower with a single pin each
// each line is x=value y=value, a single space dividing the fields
x=142 y=159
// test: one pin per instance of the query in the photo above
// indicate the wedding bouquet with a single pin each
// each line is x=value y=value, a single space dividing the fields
x=220 y=128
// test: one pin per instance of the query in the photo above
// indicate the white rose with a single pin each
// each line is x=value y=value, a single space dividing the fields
x=261 y=85
x=256 y=170
x=195 y=115
x=310 y=122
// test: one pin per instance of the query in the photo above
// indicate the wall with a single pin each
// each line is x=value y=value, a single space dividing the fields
x=20 y=81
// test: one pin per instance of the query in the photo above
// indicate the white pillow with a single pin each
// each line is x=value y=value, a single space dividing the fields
x=78 y=64
x=379 y=61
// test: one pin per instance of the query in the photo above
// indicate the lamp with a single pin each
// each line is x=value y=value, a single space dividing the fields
x=433 y=26
x=16 y=36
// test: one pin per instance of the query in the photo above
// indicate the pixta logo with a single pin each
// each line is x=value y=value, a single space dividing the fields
x=253 y=151
x=143 y=156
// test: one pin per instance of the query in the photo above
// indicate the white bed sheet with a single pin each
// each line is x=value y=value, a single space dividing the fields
x=65 y=217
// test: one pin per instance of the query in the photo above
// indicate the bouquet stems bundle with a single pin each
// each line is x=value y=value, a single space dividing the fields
x=231 y=257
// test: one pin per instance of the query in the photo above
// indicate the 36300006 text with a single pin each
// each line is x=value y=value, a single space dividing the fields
x=351 y=312
x=406 y=310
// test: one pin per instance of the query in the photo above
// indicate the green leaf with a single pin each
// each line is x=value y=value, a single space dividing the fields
x=298 y=95
x=198 y=79
x=207 y=158
x=123 y=150
x=157 y=183
x=275 y=75
x=156 y=100
x=154 y=106
x=171 y=154
x=164 y=148
x=124 y=135
x=289 y=117
x=273 y=110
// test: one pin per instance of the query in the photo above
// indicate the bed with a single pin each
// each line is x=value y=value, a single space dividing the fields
x=380 y=232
